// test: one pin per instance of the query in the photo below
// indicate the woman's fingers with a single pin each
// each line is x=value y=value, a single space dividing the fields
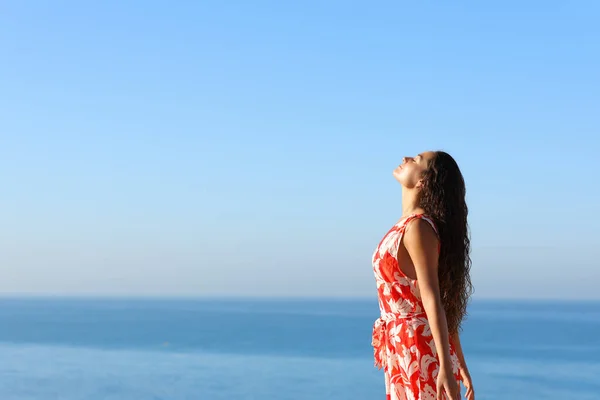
x=470 y=395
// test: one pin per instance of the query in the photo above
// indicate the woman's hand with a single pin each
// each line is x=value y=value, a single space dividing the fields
x=446 y=383
x=466 y=379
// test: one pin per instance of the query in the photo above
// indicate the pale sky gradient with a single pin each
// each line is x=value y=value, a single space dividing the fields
x=246 y=147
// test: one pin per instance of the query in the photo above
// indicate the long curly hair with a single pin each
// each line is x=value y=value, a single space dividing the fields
x=442 y=197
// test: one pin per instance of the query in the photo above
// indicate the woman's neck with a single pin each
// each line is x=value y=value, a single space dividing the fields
x=410 y=202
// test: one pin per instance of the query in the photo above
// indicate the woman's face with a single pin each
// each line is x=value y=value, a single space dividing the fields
x=410 y=172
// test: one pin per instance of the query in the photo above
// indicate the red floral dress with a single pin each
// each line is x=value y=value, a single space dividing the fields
x=402 y=340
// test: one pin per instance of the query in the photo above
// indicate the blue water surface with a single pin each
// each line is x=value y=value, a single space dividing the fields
x=274 y=349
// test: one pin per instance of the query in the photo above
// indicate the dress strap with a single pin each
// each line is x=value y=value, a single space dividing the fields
x=423 y=217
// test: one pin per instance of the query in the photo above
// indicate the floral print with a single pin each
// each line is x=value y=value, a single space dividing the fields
x=402 y=340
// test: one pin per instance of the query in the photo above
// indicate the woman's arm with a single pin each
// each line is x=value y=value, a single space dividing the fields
x=464 y=371
x=421 y=242
x=459 y=351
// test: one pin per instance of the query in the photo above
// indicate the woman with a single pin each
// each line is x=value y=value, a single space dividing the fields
x=422 y=272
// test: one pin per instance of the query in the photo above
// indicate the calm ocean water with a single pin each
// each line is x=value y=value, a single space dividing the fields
x=275 y=349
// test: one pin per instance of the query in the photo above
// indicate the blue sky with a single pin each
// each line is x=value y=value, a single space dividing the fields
x=246 y=148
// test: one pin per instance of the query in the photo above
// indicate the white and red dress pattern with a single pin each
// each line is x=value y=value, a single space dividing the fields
x=402 y=340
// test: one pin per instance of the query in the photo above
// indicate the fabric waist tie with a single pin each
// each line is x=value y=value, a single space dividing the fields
x=380 y=340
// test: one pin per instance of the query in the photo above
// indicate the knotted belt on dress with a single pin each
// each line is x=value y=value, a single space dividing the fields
x=380 y=337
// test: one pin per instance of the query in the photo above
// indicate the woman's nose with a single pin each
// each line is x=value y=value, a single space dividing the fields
x=405 y=160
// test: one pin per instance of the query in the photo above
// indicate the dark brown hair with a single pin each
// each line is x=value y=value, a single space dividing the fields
x=442 y=198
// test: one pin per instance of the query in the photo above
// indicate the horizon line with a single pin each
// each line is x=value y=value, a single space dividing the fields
x=229 y=297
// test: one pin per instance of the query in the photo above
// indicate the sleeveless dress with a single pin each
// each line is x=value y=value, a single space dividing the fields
x=402 y=340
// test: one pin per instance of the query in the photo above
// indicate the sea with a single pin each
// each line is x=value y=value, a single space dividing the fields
x=280 y=349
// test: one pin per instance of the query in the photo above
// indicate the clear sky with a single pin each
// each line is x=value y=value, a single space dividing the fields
x=246 y=147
